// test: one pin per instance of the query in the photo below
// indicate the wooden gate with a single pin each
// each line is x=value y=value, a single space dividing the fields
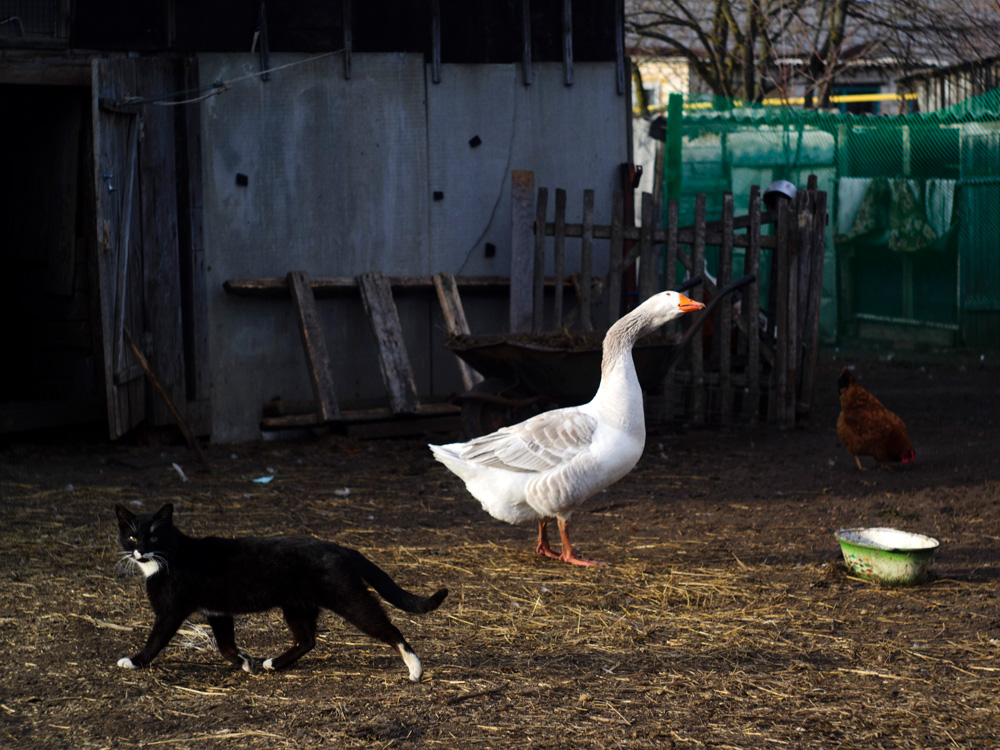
x=757 y=363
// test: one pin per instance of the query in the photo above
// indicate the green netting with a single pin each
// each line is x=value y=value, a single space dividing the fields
x=913 y=244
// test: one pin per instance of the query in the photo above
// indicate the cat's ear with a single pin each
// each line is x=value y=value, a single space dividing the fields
x=126 y=519
x=166 y=513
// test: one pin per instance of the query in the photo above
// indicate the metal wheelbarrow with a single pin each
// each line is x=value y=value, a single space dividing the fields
x=527 y=374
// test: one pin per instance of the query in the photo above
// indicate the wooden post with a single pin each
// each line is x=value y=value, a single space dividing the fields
x=568 y=42
x=558 y=255
x=803 y=272
x=811 y=352
x=697 y=352
x=751 y=310
x=455 y=322
x=647 y=264
x=779 y=391
x=348 y=37
x=522 y=249
x=538 y=264
x=587 y=262
x=798 y=232
x=526 y=41
x=436 y=41
x=616 y=261
x=670 y=270
x=724 y=316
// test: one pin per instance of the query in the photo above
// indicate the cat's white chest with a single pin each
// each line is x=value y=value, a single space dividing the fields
x=149 y=567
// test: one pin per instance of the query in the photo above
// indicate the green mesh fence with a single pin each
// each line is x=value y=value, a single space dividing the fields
x=913 y=243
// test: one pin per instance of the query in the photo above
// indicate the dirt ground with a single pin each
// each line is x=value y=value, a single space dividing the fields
x=725 y=620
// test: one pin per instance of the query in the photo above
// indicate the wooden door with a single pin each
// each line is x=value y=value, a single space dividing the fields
x=117 y=134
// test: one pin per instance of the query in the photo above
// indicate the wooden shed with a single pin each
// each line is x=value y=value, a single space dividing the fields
x=122 y=192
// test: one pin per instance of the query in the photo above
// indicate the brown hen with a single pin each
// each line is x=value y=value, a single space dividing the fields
x=867 y=428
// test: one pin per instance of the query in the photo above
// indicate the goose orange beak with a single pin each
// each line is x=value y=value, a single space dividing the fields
x=689 y=305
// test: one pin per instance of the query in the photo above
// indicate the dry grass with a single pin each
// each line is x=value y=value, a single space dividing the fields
x=725 y=621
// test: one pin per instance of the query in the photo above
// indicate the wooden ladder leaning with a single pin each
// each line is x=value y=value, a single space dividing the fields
x=394 y=363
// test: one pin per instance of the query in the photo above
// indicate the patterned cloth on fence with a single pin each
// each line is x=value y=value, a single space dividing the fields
x=893 y=207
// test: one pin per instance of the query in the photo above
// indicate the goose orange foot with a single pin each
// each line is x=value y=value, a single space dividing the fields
x=568 y=553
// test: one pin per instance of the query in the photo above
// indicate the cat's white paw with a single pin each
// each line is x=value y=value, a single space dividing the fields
x=269 y=665
x=247 y=665
x=416 y=669
x=126 y=663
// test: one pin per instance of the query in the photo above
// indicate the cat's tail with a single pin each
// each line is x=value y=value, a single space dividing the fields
x=389 y=590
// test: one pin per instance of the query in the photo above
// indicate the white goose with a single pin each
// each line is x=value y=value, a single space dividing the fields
x=545 y=466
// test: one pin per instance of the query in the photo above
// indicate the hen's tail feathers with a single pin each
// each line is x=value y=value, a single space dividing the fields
x=845 y=380
x=389 y=590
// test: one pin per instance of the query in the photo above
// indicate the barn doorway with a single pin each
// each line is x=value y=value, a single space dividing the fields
x=52 y=374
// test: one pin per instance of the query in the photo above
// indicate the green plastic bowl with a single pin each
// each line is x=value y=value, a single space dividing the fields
x=889 y=556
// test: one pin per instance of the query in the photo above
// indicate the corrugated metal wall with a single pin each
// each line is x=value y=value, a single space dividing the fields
x=311 y=171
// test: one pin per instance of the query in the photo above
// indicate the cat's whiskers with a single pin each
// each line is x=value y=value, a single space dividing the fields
x=149 y=564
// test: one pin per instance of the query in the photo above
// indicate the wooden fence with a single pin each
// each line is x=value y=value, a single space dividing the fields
x=756 y=363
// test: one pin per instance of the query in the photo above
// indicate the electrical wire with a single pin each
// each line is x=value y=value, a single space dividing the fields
x=217 y=87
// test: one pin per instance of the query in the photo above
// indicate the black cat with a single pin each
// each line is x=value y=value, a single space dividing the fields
x=223 y=577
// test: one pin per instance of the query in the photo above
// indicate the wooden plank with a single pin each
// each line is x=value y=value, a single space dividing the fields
x=811 y=352
x=348 y=37
x=424 y=420
x=799 y=231
x=314 y=344
x=376 y=296
x=158 y=386
x=724 y=316
x=587 y=262
x=522 y=249
x=125 y=247
x=647 y=258
x=327 y=287
x=526 y=41
x=559 y=256
x=117 y=264
x=696 y=353
x=779 y=391
x=436 y=41
x=802 y=269
x=751 y=311
x=616 y=261
x=670 y=262
x=567 y=31
x=54 y=69
x=713 y=236
x=455 y=322
x=538 y=263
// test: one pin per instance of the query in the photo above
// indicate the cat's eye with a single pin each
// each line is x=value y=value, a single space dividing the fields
x=133 y=540
x=153 y=539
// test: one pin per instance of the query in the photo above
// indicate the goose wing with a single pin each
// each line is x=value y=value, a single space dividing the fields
x=542 y=443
